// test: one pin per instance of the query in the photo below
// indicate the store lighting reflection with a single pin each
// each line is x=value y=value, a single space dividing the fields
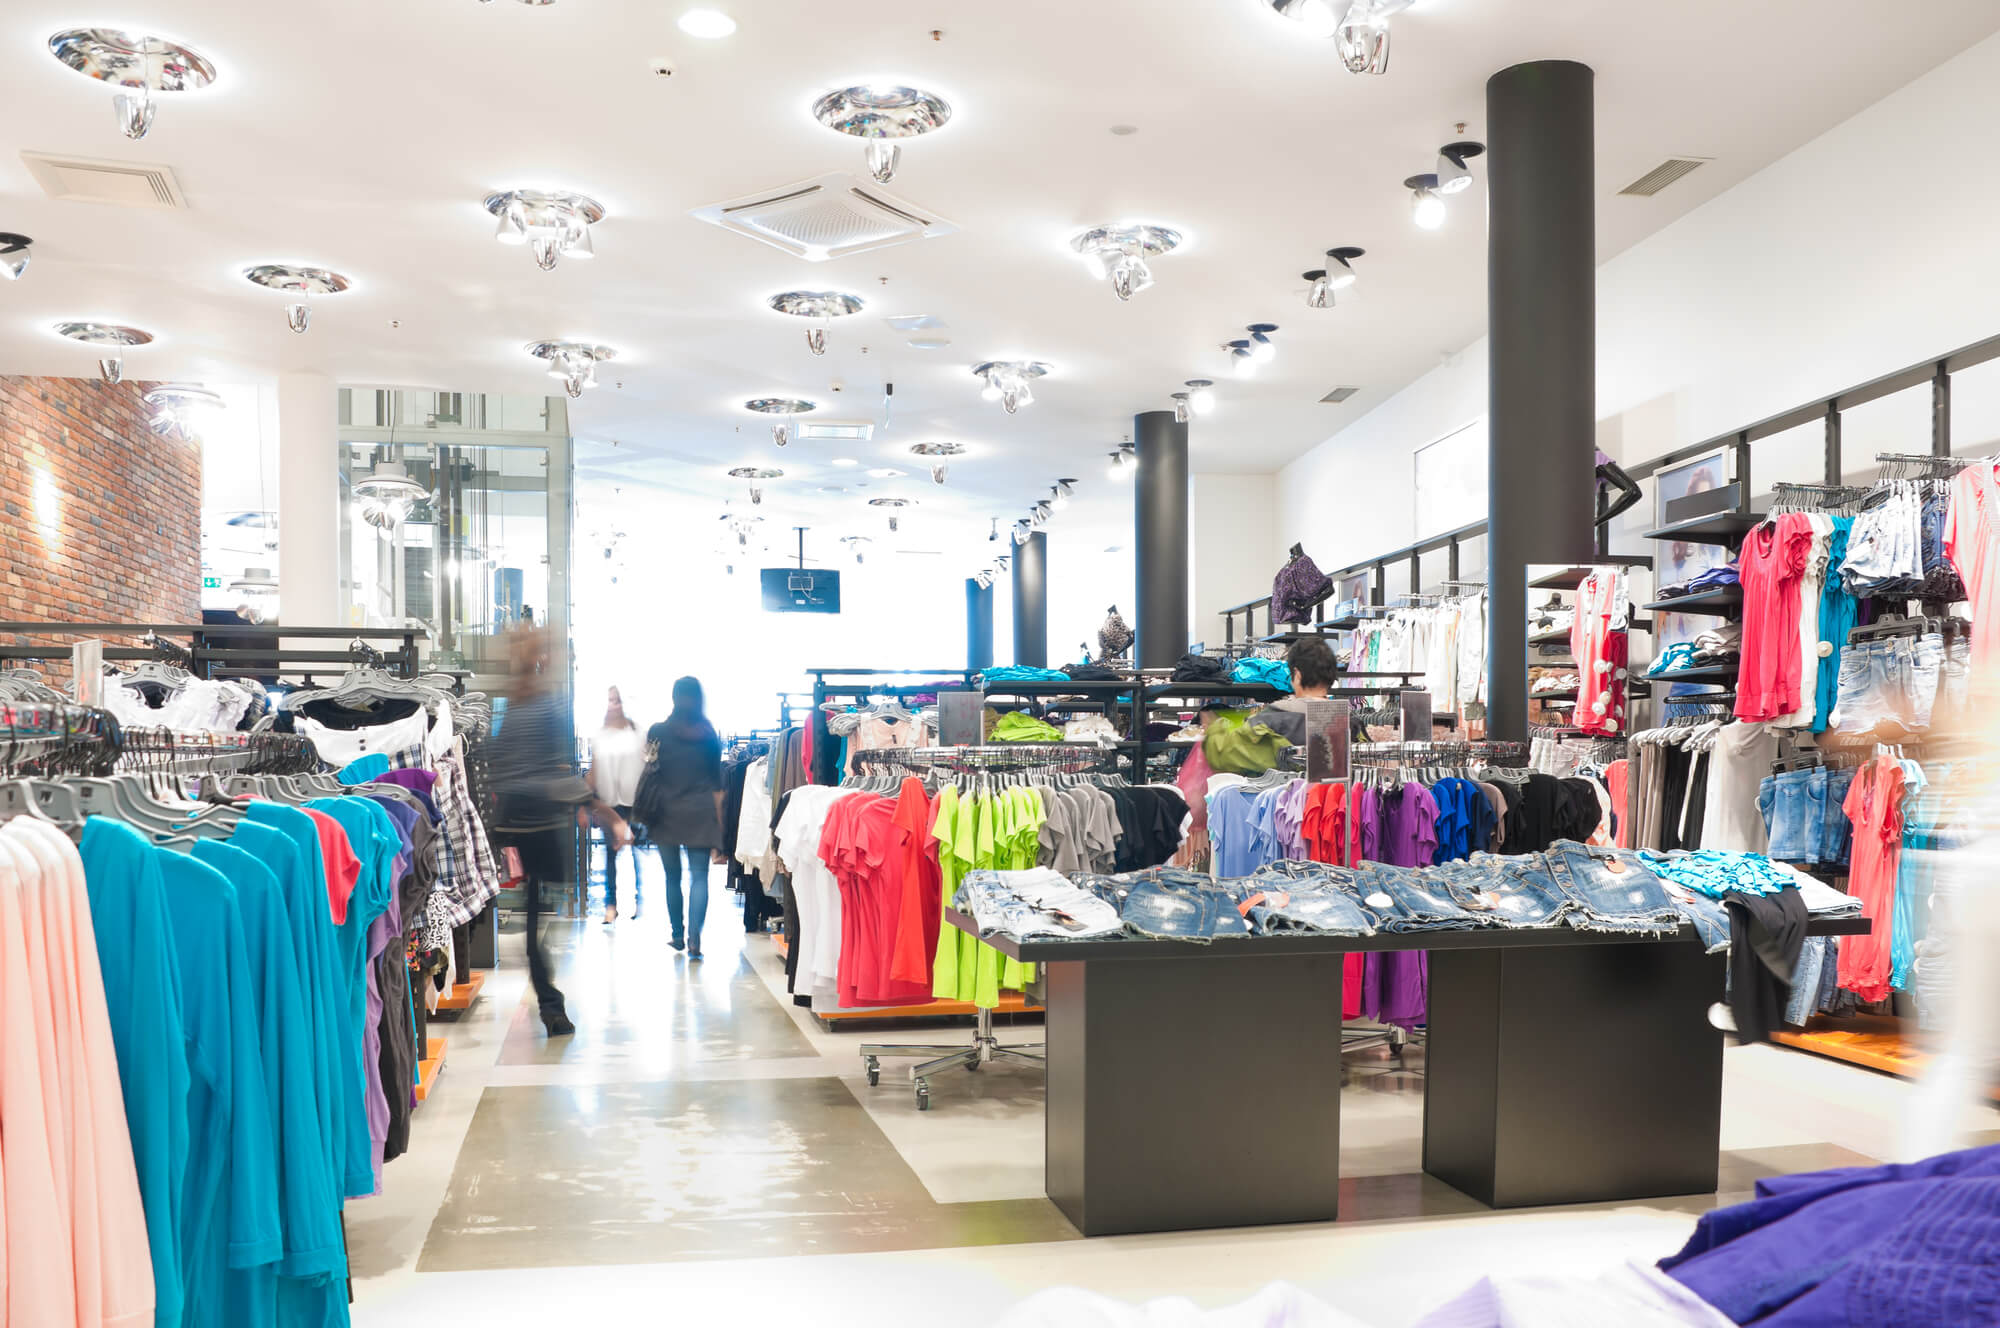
x=48 y=507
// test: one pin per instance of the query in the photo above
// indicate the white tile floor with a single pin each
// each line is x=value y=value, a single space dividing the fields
x=982 y=1141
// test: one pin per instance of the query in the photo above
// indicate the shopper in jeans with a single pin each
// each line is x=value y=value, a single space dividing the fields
x=541 y=797
x=617 y=755
x=680 y=800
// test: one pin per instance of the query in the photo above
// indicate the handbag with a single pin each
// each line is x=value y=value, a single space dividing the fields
x=1114 y=638
x=1298 y=587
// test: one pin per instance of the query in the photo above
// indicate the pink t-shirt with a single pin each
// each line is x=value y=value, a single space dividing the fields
x=1770 y=566
x=1972 y=542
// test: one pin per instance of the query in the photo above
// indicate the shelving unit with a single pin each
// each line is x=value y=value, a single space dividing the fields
x=1712 y=673
x=1725 y=602
x=1569 y=578
x=1724 y=528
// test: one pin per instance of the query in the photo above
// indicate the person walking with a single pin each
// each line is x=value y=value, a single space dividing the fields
x=617 y=755
x=680 y=801
x=540 y=797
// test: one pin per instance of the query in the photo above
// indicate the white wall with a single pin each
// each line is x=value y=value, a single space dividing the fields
x=1232 y=547
x=1868 y=249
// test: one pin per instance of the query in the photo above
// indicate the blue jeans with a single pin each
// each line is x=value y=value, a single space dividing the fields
x=697 y=894
x=1836 y=831
x=1320 y=899
x=1613 y=888
x=1172 y=910
x=1510 y=891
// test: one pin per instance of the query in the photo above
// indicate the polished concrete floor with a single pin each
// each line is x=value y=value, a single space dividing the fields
x=701 y=1146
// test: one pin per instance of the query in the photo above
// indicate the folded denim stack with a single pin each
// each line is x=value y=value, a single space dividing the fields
x=1715 y=578
x=1171 y=903
x=1035 y=904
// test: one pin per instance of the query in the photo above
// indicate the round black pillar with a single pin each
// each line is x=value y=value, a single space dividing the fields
x=978 y=625
x=1031 y=602
x=1160 y=539
x=1541 y=275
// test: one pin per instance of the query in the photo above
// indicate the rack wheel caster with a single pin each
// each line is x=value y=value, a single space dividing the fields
x=874 y=1068
x=923 y=1096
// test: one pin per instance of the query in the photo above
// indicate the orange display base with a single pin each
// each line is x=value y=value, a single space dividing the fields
x=1011 y=1002
x=1874 y=1042
x=461 y=996
x=780 y=944
x=430 y=1067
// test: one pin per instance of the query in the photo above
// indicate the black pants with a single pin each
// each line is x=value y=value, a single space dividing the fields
x=611 y=864
x=542 y=854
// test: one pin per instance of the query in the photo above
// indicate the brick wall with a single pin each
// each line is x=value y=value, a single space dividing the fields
x=102 y=518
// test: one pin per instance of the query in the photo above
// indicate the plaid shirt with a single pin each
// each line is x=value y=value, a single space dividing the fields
x=468 y=877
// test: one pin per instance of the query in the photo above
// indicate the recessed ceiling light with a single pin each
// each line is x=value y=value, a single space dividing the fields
x=845 y=461
x=885 y=473
x=881 y=115
x=136 y=65
x=707 y=23
x=1124 y=131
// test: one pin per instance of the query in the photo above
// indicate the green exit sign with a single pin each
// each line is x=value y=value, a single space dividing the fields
x=211 y=583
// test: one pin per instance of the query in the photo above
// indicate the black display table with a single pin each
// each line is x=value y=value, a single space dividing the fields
x=1194 y=1086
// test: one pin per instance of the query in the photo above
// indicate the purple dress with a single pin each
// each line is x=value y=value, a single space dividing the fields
x=1393 y=982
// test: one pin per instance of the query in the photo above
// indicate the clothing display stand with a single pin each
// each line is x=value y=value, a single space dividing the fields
x=985 y=1047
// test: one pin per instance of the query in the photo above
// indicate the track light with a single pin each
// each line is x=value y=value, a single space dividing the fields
x=1124 y=463
x=1363 y=35
x=1241 y=360
x=1319 y=293
x=1060 y=494
x=13 y=255
x=1340 y=266
x=1043 y=511
x=1426 y=206
x=1453 y=176
x=1021 y=532
x=1201 y=397
x=1262 y=348
x=1182 y=411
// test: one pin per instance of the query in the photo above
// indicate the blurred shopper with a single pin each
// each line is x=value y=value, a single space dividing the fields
x=540 y=795
x=617 y=755
x=680 y=801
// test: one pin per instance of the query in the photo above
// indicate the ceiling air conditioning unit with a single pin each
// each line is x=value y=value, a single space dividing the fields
x=829 y=216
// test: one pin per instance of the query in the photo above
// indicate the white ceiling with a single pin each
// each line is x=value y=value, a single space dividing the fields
x=362 y=136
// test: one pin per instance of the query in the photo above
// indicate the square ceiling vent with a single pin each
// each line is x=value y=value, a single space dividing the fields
x=828 y=217
x=119 y=183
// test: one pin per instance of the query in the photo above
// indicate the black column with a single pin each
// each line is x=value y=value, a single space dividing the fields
x=978 y=625
x=1541 y=260
x=1031 y=602
x=1160 y=539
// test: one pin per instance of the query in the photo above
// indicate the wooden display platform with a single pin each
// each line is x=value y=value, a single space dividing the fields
x=461 y=996
x=1011 y=1002
x=430 y=1067
x=1874 y=1042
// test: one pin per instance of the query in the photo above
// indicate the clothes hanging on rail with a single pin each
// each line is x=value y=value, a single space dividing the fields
x=1971 y=535
x=1771 y=567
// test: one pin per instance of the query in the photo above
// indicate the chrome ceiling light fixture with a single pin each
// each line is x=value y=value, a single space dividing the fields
x=13 y=255
x=1022 y=529
x=822 y=306
x=1124 y=462
x=1183 y=412
x=1061 y=493
x=551 y=223
x=182 y=410
x=386 y=496
x=255 y=581
x=110 y=367
x=1363 y=35
x=882 y=114
x=1241 y=360
x=297 y=281
x=936 y=454
x=1200 y=396
x=1009 y=382
x=1426 y=204
x=1337 y=275
x=1262 y=348
x=136 y=65
x=1119 y=253
x=857 y=545
x=1453 y=176
x=783 y=408
x=575 y=362
x=1040 y=513
x=756 y=475
x=894 y=507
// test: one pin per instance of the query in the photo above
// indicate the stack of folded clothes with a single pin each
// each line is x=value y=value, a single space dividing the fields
x=1715 y=578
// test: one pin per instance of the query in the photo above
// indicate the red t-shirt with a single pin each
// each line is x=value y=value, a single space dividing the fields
x=861 y=847
x=919 y=912
x=1770 y=567
x=343 y=869
x=1875 y=806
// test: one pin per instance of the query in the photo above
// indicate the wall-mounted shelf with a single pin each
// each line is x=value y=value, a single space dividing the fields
x=1569 y=578
x=1722 y=602
x=1700 y=673
x=1724 y=528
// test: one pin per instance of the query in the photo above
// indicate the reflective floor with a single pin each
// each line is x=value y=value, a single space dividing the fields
x=700 y=1145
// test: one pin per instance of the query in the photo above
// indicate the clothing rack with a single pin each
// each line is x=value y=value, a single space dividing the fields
x=1787 y=496
x=209 y=645
x=1419 y=754
x=1920 y=465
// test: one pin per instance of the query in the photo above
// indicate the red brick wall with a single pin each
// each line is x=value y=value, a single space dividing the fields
x=122 y=539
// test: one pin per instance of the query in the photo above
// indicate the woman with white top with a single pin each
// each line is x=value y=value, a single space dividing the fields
x=617 y=755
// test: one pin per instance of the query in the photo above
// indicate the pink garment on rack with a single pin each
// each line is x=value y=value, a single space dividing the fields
x=1600 y=652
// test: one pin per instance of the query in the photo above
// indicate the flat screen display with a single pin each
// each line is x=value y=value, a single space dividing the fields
x=793 y=590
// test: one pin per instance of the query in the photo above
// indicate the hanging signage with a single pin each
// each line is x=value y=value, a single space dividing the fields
x=211 y=583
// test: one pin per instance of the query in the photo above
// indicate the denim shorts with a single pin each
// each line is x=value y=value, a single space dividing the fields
x=1926 y=664
x=1794 y=807
x=1871 y=682
x=1836 y=831
x=1170 y=910
x=1613 y=890
x=1517 y=891
x=1302 y=906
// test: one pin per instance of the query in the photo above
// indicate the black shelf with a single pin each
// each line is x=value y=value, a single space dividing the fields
x=1569 y=695
x=1569 y=578
x=1722 y=602
x=1700 y=673
x=1724 y=528
x=1558 y=636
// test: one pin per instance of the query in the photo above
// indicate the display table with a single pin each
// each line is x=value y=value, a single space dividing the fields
x=1194 y=1085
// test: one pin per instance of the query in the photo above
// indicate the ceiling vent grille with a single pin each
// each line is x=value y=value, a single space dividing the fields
x=1338 y=395
x=835 y=431
x=827 y=217
x=119 y=183
x=1664 y=174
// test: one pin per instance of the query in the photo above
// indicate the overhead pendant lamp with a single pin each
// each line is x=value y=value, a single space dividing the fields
x=295 y=280
x=820 y=306
x=552 y=223
x=781 y=409
x=117 y=337
x=1119 y=254
x=574 y=362
x=882 y=116
x=1010 y=382
x=387 y=495
x=137 y=65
